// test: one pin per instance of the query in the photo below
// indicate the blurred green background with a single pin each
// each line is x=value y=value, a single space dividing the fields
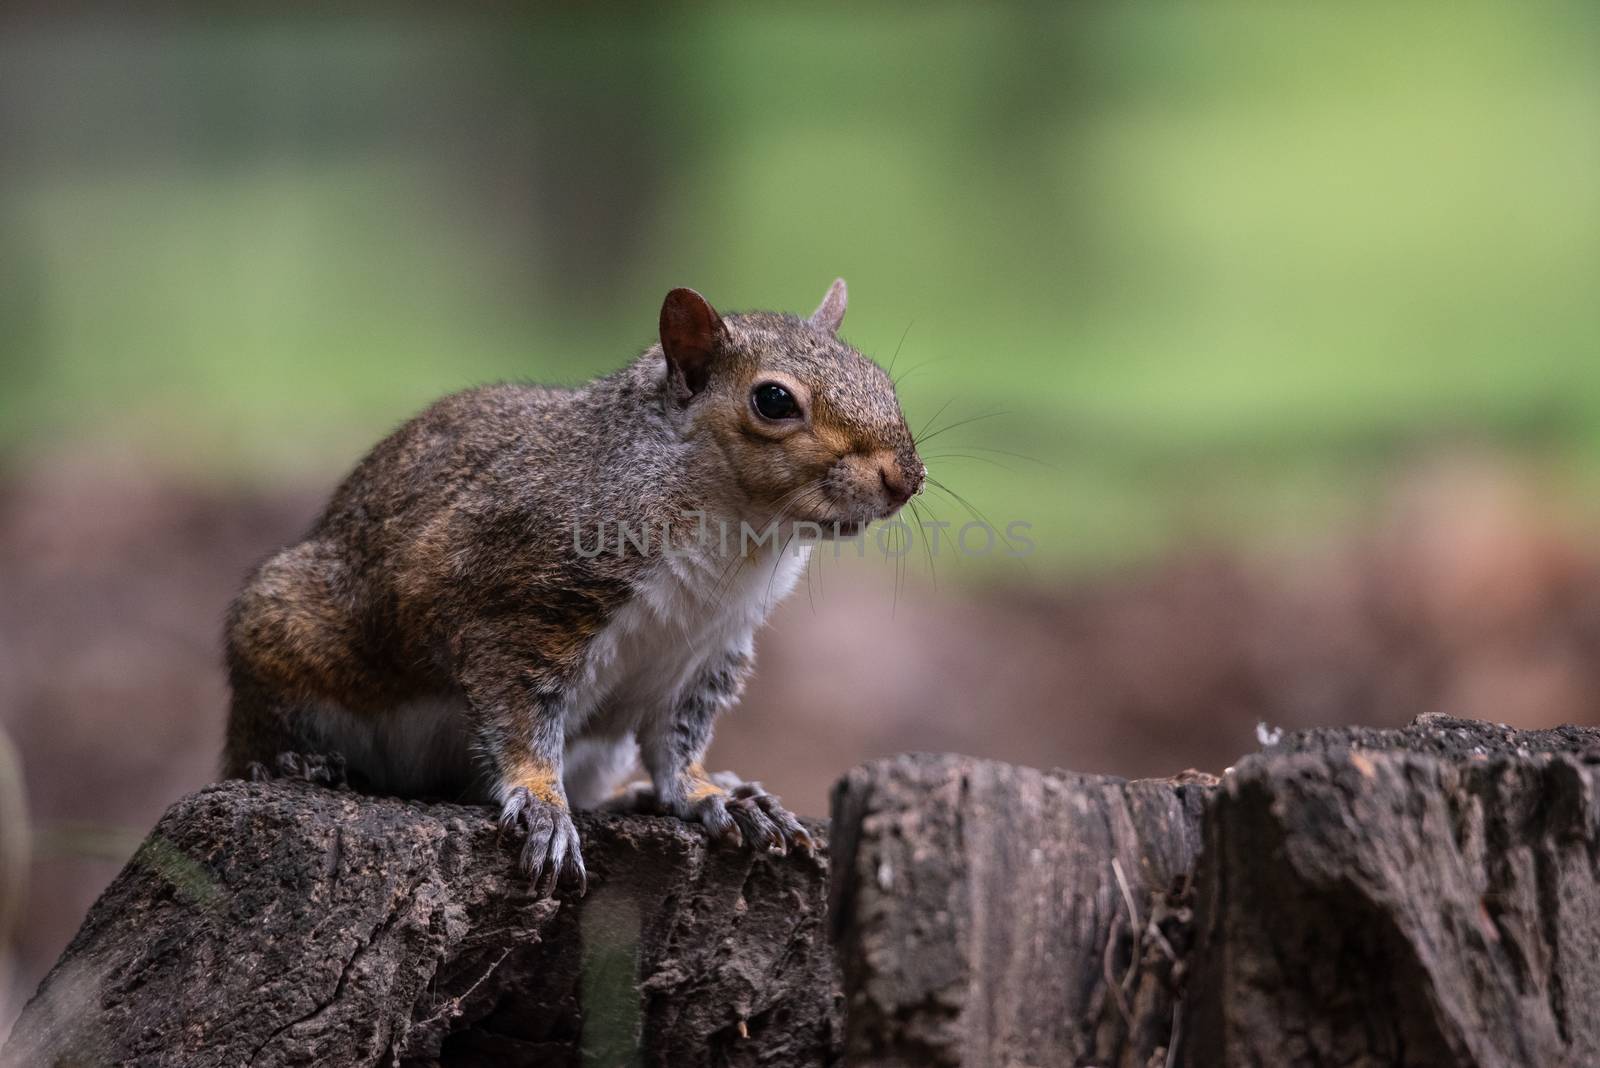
x=1219 y=269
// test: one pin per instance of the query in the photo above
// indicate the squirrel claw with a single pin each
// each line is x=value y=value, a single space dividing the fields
x=788 y=830
x=550 y=855
x=755 y=826
x=748 y=815
x=741 y=813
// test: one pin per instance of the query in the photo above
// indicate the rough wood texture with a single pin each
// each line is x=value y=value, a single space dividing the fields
x=1429 y=896
x=283 y=924
x=992 y=915
x=1422 y=897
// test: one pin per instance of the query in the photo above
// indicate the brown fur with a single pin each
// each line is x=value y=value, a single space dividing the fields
x=444 y=568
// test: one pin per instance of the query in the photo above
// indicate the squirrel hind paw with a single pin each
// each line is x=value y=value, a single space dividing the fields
x=318 y=769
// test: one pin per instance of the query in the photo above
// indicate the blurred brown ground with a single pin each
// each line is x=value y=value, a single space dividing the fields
x=1463 y=594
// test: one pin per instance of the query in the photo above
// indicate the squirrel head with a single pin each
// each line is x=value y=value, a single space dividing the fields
x=807 y=427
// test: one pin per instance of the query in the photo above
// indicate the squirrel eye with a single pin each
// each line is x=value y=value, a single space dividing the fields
x=772 y=401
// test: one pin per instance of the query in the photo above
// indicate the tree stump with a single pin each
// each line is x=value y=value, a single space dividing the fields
x=1428 y=896
x=281 y=924
x=1425 y=897
x=995 y=915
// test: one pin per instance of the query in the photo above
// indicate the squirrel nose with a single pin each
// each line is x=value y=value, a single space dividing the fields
x=895 y=484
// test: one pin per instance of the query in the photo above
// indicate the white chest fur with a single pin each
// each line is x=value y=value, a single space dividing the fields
x=691 y=609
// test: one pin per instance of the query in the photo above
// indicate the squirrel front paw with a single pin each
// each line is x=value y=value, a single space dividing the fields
x=733 y=811
x=738 y=812
x=550 y=853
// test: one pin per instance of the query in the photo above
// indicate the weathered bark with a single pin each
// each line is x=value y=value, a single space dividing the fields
x=1421 y=897
x=282 y=924
x=1428 y=896
x=994 y=915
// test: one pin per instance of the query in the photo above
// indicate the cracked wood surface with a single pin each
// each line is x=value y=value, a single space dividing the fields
x=1424 y=896
x=1354 y=897
x=1427 y=896
x=279 y=924
x=988 y=914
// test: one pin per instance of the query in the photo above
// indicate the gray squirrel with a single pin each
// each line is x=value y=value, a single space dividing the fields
x=456 y=624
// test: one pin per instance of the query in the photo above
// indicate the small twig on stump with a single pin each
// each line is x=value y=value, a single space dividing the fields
x=451 y=1006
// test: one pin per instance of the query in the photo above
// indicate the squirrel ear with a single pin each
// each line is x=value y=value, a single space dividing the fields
x=830 y=313
x=691 y=331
